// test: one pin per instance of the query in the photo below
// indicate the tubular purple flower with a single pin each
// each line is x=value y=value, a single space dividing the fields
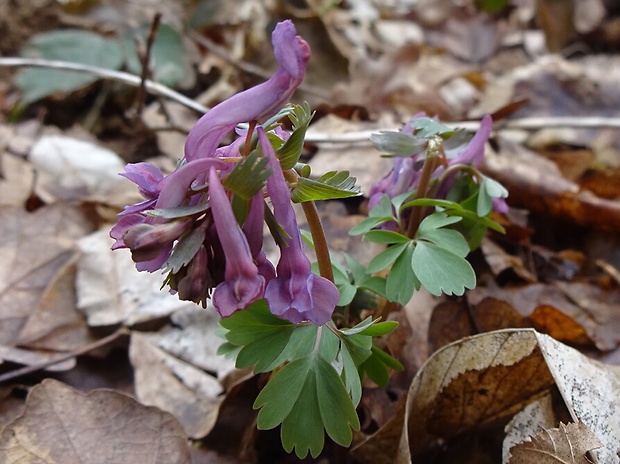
x=474 y=151
x=176 y=186
x=243 y=284
x=150 y=244
x=255 y=104
x=148 y=177
x=253 y=230
x=196 y=284
x=296 y=293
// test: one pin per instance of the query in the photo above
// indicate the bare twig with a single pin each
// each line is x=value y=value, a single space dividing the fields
x=130 y=79
x=357 y=137
x=80 y=351
x=144 y=53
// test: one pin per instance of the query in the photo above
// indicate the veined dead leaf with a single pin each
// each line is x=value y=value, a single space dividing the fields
x=493 y=375
x=62 y=425
x=567 y=444
x=161 y=380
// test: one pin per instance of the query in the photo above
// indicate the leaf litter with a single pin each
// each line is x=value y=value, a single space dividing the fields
x=62 y=289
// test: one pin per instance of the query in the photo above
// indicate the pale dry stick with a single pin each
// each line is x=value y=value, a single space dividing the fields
x=80 y=351
x=131 y=79
x=529 y=123
x=609 y=269
x=357 y=137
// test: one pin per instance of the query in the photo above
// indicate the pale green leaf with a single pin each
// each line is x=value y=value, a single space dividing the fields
x=74 y=46
x=401 y=281
x=386 y=257
x=167 y=56
x=397 y=143
x=439 y=270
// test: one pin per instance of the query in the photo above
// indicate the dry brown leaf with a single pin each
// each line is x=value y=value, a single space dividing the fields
x=537 y=184
x=16 y=180
x=63 y=426
x=530 y=420
x=548 y=319
x=34 y=247
x=111 y=291
x=581 y=307
x=567 y=444
x=192 y=339
x=189 y=394
x=493 y=375
x=56 y=324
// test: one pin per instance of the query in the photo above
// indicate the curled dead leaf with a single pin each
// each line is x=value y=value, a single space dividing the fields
x=568 y=443
x=62 y=425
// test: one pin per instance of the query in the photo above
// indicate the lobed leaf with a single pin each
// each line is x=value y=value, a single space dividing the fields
x=329 y=186
x=440 y=270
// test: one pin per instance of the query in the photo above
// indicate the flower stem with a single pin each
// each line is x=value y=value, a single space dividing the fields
x=318 y=237
x=430 y=163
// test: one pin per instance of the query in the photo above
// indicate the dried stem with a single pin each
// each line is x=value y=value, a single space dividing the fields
x=144 y=54
x=80 y=351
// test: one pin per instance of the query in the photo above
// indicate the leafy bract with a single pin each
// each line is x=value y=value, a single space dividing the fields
x=427 y=127
x=489 y=189
x=249 y=176
x=289 y=153
x=329 y=186
x=397 y=143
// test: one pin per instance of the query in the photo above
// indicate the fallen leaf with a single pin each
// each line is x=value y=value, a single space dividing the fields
x=34 y=247
x=192 y=338
x=529 y=421
x=62 y=425
x=74 y=168
x=548 y=319
x=493 y=375
x=189 y=394
x=537 y=184
x=110 y=290
x=569 y=444
x=56 y=324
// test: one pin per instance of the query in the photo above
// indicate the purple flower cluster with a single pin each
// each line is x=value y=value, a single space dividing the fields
x=186 y=224
x=406 y=173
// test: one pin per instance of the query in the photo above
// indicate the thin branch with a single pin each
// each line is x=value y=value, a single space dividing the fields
x=529 y=123
x=246 y=67
x=80 y=351
x=144 y=54
x=120 y=76
x=358 y=137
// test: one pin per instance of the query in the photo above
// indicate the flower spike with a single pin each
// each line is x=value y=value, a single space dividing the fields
x=243 y=284
x=296 y=293
x=258 y=103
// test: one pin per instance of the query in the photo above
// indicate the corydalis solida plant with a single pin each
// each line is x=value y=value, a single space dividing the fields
x=186 y=223
x=203 y=224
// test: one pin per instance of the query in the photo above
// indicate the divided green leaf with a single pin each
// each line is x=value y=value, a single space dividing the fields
x=307 y=396
x=289 y=153
x=329 y=186
x=249 y=176
x=440 y=270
